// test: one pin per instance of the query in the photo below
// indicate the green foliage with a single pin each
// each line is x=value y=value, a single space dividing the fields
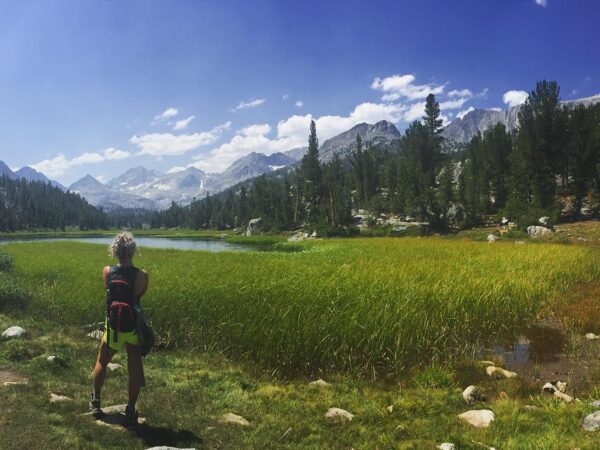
x=13 y=293
x=26 y=205
x=549 y=164
x=435 y=377
x=6 y=261
x=359 y=305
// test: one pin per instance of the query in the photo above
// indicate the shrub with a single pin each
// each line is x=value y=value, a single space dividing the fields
x=6 y=261
x=13 y=295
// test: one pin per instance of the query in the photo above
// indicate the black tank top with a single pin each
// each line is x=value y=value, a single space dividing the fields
x=129 y=273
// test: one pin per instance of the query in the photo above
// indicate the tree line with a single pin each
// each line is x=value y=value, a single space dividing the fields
x=548 y=166
x=26 y=205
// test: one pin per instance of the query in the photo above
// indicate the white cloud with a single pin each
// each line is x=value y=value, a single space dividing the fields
x=256 y=130
x=464 y=112
x=285 y=97
x=416 y=111
x=541 y=2
x=249 y=104
x=167 y=114
x=402 y=100
x=183 y=123
x=299 y=103
x=291 y=133
x=453 y=104
x=114 y=153
x=100 y=178
x=514 y=98
x=401 y=86
x=59 y=165
x=496 y=108
x=167 y=144
x=462 y=93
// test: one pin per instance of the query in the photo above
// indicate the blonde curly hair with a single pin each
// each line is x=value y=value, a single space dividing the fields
x=123 y=246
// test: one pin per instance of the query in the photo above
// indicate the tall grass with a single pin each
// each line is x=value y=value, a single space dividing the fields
x=357 y=305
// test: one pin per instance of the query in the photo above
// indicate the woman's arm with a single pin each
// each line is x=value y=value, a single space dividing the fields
x=141 y=283
x=105 y=272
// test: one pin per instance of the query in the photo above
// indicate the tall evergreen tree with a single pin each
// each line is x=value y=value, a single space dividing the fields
x=312 y=177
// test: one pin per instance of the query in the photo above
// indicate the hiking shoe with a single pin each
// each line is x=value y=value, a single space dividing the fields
x=95 y=405
x=131 y=415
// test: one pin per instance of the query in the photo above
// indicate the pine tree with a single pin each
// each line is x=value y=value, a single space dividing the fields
x=312 y=175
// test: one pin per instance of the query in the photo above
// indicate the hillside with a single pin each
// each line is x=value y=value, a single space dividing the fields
x=27 y=205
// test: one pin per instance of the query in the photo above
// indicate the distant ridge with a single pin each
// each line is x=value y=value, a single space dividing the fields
x=29 y=174
x=462 y=130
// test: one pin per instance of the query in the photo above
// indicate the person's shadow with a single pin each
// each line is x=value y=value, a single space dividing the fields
x=150 y=435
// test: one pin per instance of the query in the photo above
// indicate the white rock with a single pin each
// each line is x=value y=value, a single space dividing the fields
x=314 y=234
x=494 y=371
x=254 y=226
x=595 y=404
x=491 y=238
x=96 y=334
x=235 y=419
x=564 y=397
x=554 y=386
x=13 y=332
x=544 y=220
x=472 y=395
x=591 y=422
x=319 y=382
x=591 y=336
x=486 y=363
x=114 y=366
x=446 y=446
x=479 y=418
x=390 y=409
x=338 y=415
x=55 y=398
x=15 y=383
x=555 y=389
x=504 y=221
x=536 y=230
x=52 y=359
x=561 y=386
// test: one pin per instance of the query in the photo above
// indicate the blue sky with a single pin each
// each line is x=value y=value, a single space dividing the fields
x=101 y=86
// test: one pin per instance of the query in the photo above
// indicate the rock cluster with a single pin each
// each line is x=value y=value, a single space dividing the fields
x=536 y=230
x=557 y=388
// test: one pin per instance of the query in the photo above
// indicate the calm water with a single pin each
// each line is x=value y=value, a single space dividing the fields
x=211 y=245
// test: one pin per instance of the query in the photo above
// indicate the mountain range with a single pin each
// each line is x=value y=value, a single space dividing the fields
x=461 y=130
x=142 y=188
x=139 y=187
x=29 y=174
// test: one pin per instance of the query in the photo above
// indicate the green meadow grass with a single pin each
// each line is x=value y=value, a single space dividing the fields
x=364 y=306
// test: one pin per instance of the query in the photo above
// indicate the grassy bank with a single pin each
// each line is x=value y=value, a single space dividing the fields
x=199 y=388
x=368 y=306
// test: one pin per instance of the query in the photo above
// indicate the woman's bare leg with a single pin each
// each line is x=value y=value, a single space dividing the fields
x=134 y=365
x=99 y=372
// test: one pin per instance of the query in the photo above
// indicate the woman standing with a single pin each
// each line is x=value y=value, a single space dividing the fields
x=125 y=285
